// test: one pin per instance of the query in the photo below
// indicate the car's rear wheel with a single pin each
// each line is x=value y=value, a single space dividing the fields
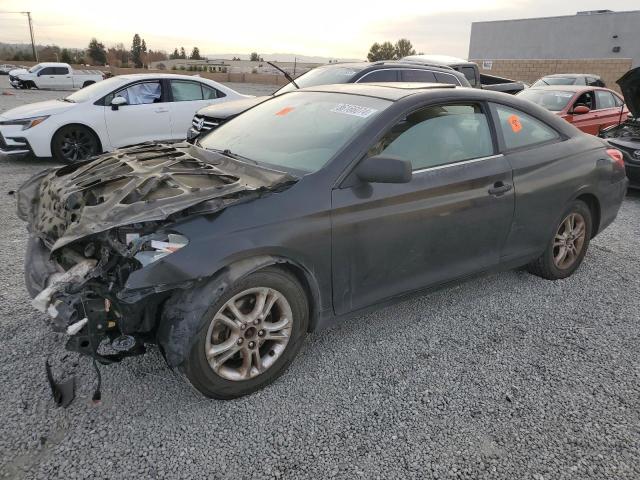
x=74 y=143
x=568 y=246
x=249 y=336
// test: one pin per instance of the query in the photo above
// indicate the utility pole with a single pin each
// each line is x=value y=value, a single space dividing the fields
x=33 y=42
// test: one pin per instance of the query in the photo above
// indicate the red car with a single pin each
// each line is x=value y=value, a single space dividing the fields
x=589 y=108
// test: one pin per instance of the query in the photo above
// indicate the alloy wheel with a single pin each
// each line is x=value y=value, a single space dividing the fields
x=569 y=241
x=77 y=145
x=249 y=333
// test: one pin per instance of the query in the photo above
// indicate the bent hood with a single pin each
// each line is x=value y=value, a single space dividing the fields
x=148 y=182
x=630 y=87
x=232 y=108
x=49 y=107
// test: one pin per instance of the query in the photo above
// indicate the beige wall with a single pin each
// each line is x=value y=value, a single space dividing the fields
x=530 y=70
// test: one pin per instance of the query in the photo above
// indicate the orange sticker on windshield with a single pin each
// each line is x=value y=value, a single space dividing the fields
x=514 y=121
x=284 y=111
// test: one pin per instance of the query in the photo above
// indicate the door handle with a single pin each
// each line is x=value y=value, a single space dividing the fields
x=500 y=188
x=161 y=110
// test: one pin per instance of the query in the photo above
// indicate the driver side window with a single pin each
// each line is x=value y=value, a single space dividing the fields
x=138 y=94
x=587 y=100
x=438 y=135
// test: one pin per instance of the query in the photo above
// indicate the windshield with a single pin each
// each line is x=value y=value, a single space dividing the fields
x=554 y=81
x=298 y=131
x=320 y=76
x=35 y=68
x=550 y=99
x=96 y=90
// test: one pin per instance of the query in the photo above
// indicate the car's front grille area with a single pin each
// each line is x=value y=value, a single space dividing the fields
x=204 y=124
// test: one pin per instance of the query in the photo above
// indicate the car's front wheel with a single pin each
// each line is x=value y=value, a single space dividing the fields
x=74 y=143
x=249 y=336
x=566 y=250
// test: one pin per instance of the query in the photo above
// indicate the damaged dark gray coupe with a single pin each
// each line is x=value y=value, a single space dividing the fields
x=316 y=204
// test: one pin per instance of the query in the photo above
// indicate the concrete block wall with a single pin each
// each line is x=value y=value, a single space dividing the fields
x=609 y=69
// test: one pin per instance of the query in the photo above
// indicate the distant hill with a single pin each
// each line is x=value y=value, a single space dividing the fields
x=282 y=57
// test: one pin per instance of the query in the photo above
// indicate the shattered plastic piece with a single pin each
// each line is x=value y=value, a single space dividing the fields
x=76 y=327
x=63 y=392
x=58 y=280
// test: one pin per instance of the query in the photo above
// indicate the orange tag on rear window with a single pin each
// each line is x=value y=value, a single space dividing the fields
x=284 y=111
x=514 y=121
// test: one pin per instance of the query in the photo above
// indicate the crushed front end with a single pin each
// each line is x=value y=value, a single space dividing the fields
x=92 y=224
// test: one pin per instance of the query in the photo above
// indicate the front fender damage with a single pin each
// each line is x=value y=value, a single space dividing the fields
x=87 y=221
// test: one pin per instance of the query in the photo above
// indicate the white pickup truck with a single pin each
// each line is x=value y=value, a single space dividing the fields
x=55 y=76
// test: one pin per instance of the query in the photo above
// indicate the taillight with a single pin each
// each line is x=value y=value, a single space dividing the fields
x=616 y=156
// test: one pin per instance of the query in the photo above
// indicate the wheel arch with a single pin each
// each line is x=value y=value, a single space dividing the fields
x=594 y=207
x=80 y=124
x=180 y=316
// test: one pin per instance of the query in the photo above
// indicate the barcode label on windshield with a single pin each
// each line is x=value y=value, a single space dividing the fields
x=355 y=110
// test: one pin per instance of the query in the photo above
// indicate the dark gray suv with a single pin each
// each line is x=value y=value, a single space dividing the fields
x=209 y=118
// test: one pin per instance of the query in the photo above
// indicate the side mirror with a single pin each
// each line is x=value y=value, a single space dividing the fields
x=118 y=102
x=581 y=109
x=381 y=169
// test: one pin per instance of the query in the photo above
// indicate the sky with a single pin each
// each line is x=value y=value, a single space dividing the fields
x=329 y=28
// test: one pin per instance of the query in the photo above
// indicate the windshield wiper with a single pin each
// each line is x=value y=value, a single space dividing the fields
x=67 y=100
x=286 y=75
x=230 y=154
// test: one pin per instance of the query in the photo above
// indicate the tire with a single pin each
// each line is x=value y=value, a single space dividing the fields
x=551 y=264
x=232 y=379
x=74 y=143
x=86 y=84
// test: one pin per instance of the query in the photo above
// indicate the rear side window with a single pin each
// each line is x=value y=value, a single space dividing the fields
x=438 y=135
x=380 y=76
x=184 y=91
x=470 y=73
x=521 y=130
x=423 y=76
x=446 y=78
x=209 y=93
x=62 y=70
x=605 y=99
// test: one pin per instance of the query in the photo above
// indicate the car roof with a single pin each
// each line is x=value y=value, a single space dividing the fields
x=444 y=60
x=360 y=66
x=144 y=76
x=572 y=75
x=392 y=91
x=568 y=88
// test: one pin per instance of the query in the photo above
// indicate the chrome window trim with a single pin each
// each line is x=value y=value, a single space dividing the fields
x=412 y=69
x=455 y=164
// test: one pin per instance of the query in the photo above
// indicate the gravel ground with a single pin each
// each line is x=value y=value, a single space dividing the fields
x=506 y=376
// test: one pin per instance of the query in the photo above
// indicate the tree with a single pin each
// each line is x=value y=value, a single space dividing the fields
x=254 y=57
x=65 y=56
x=175 y=55
x=404 y=48
x=136 y=51
x=374 y=53
x=195 y=54
x=183 y=54
x=97 y=52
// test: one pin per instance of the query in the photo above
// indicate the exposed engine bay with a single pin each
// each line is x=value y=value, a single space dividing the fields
x=91 y=224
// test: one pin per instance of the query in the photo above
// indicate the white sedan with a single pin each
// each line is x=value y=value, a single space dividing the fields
x=114 y=113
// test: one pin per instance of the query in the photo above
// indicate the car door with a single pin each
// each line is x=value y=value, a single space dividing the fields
x=587 y=122
x=186 y=98
x=449 y=221
x=63 y=78
x=607 y=109
x=47 y=78
x=536 y=152
x=144 y=118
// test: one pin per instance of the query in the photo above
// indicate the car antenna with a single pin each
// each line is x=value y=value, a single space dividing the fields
x=286 y=75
